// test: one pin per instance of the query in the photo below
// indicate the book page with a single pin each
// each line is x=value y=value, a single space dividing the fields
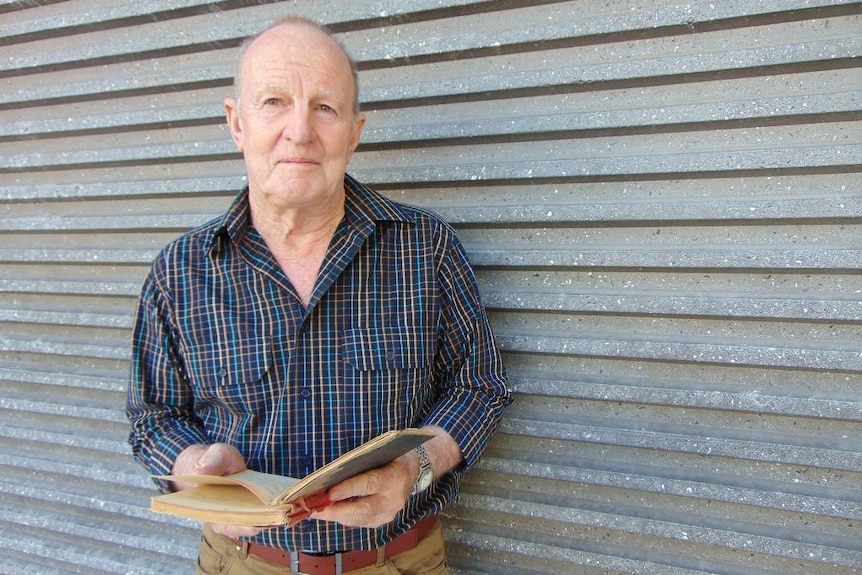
x=221 y=503
x=267 y=487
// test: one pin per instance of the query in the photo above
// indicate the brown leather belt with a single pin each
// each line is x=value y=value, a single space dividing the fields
x=338 y=563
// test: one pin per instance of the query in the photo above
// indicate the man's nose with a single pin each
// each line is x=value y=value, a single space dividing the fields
x=297 y=125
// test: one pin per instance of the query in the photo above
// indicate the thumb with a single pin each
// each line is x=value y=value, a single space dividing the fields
x=220 y=459
x=211 y=458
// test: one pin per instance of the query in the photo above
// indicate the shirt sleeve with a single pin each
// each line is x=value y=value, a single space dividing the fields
x=160 y=400
x=469 y=365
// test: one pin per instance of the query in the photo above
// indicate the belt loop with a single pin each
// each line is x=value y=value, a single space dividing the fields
x=294 y=561
x=339 y=564
x=242 y=549
x=381 y=556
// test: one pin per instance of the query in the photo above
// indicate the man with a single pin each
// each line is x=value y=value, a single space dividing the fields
x=313 y=316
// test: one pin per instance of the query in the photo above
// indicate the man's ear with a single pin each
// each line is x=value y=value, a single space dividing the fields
x=231 y=110
x=358 y=124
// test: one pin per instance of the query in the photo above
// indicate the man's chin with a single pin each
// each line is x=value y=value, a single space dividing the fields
x=296 y=190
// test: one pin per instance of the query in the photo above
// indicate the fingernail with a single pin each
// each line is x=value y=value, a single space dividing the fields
x=206 y=459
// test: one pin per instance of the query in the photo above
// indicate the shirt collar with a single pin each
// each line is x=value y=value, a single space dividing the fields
x=233 y=224
x=362 y=206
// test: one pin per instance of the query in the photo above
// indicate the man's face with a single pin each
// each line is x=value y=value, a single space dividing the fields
x=295 y=122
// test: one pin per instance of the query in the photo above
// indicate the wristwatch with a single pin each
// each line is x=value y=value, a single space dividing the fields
x=426 y=474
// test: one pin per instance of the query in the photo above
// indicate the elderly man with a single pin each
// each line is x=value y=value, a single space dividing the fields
x=313 y=316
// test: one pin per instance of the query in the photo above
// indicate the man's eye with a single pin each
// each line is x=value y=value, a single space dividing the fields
x=271 y=102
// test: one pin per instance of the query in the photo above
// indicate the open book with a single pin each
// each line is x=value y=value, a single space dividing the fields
x=265 y=500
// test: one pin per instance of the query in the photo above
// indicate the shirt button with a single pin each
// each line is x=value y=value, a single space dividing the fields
x=307 y=460
x=390 y=356
x=222 y=373
x=305 y=393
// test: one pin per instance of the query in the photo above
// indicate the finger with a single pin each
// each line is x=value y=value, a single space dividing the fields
x=349 y=489
x=359 y=512
x=235 y=531
x=387 y=481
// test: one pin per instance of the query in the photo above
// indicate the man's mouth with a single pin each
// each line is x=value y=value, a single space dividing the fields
x=298 y=161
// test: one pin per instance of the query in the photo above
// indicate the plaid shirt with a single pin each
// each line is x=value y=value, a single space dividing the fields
x=394 y=336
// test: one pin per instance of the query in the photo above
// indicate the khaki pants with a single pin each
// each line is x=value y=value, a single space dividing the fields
x=218 y=556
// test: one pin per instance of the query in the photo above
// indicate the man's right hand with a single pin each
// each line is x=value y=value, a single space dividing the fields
x=215 y=459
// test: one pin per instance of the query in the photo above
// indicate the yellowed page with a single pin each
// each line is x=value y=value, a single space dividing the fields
x=267 y=487
x=220 y=503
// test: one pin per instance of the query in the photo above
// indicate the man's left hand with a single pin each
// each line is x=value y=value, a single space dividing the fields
x=373 y=498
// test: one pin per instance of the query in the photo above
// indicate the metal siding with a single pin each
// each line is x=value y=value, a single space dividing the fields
x=662 y=202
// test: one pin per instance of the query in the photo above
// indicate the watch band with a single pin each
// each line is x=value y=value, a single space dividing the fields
x=426 y=473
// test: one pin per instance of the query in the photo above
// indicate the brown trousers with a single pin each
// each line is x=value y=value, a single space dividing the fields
x=218 y=556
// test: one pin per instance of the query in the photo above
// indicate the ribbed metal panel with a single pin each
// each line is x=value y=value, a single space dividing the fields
x=663 y=203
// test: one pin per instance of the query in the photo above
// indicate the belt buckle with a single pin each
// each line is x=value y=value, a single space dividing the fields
x=339 y=563
x=294 y=562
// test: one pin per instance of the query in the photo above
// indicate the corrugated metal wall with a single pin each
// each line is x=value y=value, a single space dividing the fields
x=663 y=202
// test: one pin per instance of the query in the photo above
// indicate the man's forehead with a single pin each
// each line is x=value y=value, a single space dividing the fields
x=273 y=74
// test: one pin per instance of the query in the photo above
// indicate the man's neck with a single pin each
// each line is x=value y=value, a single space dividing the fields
x=294 y=228
x=298 y=240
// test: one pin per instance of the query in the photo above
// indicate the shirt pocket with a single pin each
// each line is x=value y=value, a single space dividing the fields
x=387 y=348
x=388 y=368
x=224 y=372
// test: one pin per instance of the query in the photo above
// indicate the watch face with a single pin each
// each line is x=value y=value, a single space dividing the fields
x=425 y=479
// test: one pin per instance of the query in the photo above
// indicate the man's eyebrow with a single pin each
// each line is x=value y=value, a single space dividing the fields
x=327 y=94
x=269 y=88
